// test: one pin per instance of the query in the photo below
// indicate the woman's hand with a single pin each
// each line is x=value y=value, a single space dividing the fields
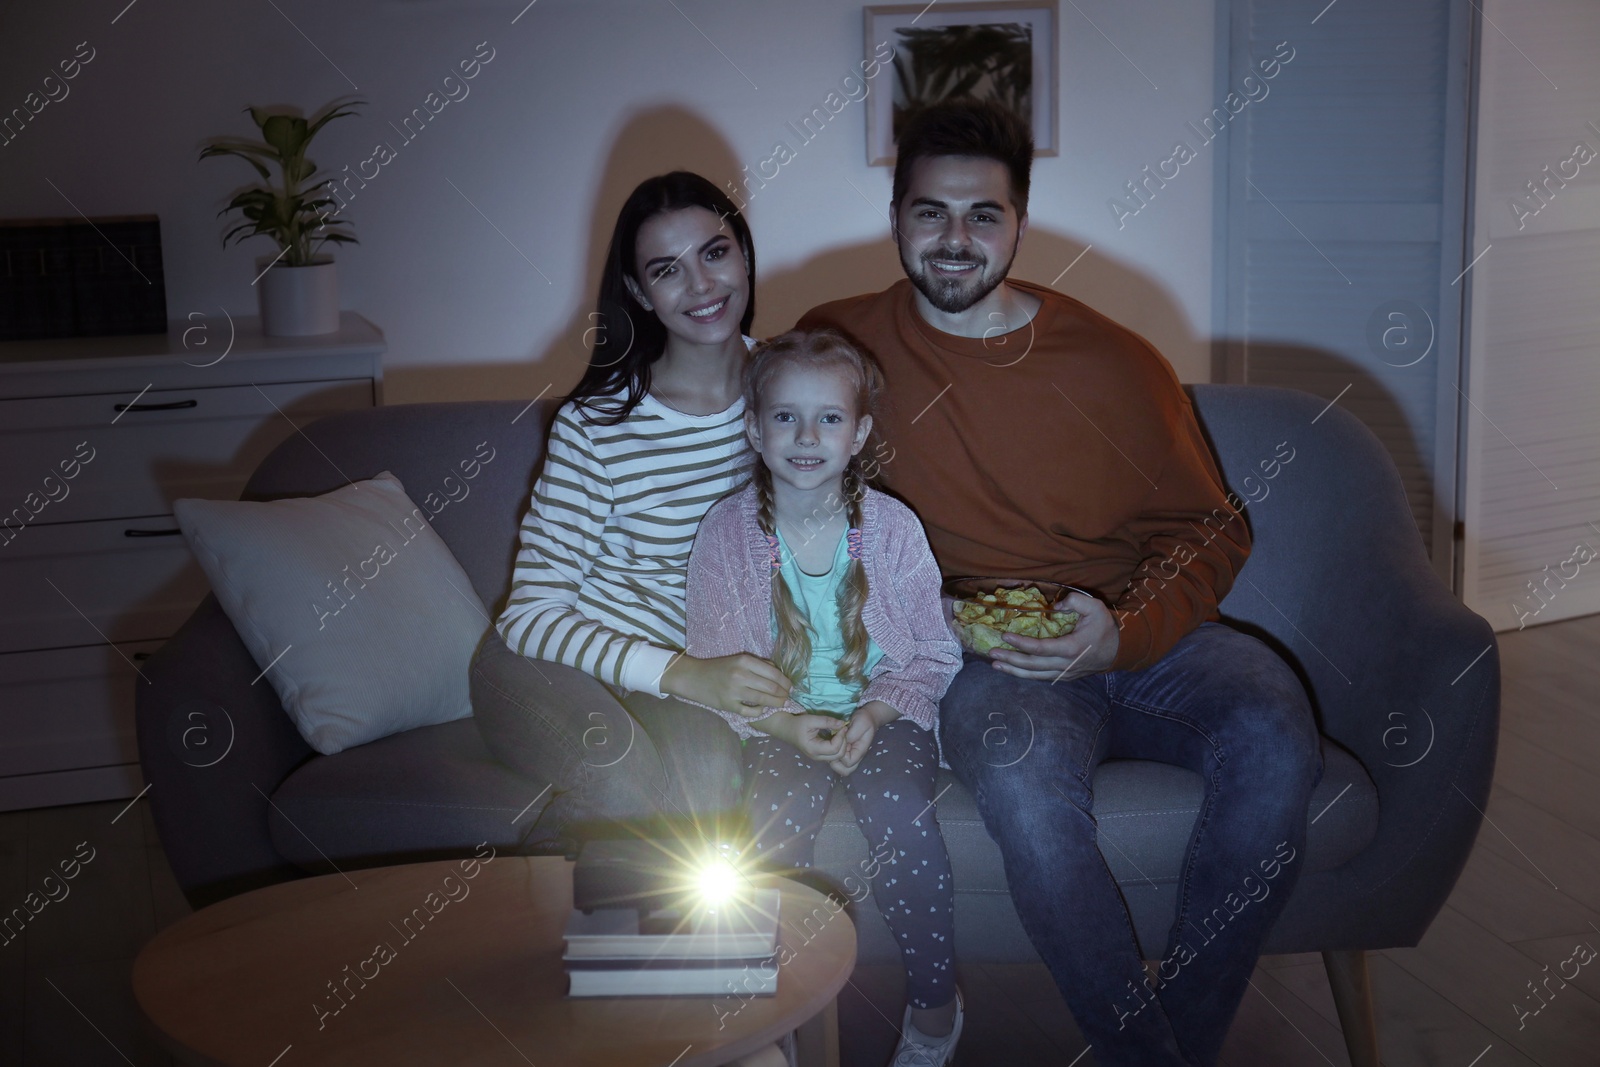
x=858 y=735
x=819 y=737
x=741 y=683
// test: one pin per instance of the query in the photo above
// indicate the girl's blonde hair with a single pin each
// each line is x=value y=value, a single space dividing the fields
x=819 y=349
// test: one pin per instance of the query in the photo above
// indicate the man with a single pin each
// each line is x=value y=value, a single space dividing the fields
x=1037 y=439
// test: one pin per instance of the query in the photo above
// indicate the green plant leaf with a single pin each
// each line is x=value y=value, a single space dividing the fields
x=285 y=211
x=336 y=113
x=221 y=150
x=252 y=195
x=253 y=149
x=278 y=131
x=253 y=231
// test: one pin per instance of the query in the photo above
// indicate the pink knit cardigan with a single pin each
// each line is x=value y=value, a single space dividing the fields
x=730 y=603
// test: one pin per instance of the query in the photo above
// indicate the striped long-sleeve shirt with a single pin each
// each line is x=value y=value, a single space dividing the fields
x=598 y=582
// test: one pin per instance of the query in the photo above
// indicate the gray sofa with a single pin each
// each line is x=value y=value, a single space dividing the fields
x=1405 y=682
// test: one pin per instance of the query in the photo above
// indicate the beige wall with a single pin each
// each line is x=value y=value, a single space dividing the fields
x=580 y=101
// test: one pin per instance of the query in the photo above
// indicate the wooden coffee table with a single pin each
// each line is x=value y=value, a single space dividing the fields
x=472 y=975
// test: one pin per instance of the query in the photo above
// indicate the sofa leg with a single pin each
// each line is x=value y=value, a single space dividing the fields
x=1352 y=995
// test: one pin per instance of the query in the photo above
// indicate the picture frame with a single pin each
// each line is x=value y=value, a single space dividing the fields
x=1004 y=50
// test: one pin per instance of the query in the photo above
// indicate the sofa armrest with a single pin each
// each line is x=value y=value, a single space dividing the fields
x=1400 y=673
x=214 y=746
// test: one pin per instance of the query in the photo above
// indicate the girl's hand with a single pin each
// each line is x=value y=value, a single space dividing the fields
x=819 y=737
x=949 y=604
x=741 y=683
x=858 y=735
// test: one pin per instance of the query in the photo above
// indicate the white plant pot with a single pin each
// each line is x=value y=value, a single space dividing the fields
x=299 y=301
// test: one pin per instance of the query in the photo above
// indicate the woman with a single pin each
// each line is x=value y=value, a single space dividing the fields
x=580 y=686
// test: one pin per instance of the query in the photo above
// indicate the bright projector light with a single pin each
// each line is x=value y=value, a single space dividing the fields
x=717 y=882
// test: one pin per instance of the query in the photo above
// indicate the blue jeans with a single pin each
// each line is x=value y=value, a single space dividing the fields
x=1219 y=703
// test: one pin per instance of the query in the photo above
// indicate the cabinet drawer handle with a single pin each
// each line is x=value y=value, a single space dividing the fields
x=141 y=656
x=151 y=533
x=171 y=406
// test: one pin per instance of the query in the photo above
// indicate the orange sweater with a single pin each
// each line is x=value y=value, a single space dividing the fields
x=1065 y=450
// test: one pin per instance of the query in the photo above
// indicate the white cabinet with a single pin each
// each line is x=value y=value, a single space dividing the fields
x=97 y=437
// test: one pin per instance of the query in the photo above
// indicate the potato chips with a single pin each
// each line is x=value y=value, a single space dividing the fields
x=984 y=619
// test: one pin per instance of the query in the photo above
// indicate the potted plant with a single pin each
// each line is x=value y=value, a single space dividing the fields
x=299 y=292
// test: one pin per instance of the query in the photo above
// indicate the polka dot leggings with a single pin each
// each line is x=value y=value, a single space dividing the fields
x=892 y=794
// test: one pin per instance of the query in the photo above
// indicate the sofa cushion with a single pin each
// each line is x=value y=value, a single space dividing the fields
x=349 y=602
x=427 y=792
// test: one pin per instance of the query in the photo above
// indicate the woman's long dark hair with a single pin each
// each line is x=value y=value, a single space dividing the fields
x=628 y=339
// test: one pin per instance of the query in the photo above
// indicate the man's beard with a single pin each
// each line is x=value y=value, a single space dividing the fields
x=951 y=295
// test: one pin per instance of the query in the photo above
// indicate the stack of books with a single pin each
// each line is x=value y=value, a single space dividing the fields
x=621 y=952
x=79 y=277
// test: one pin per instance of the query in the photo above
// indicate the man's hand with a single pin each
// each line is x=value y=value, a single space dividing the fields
x=740 y=683
x=1089 y=649
x=858 y=735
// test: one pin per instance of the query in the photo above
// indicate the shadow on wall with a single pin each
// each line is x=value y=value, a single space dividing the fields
x=1369 y=398
x=649 y=142
x=661 y=139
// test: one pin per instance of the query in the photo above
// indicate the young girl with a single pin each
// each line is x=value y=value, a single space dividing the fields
x=834 y=583
x=647 y=441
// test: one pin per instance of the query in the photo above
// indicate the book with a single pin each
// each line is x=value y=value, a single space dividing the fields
x=75 y=277
x=669 y=978
x=624 y=963
x=737 y=931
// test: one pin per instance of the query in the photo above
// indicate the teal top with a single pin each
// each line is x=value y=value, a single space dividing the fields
x=817 y=597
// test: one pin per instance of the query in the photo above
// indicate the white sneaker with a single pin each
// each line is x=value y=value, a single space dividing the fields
x=917 y=1049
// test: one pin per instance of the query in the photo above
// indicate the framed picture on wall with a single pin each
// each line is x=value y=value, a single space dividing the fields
x=988 y=51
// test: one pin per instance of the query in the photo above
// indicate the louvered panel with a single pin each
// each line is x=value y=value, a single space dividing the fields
x=1526 y=123
x=1361 y=104
x=1533 y=440
x=1345 y=199
x=1308 y=330
x=1535 y=445
x=1539 y=578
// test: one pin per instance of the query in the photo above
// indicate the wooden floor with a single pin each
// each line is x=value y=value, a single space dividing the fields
x=1530 y=894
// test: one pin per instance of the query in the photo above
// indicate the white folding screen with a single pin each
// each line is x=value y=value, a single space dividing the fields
x=1532 y=427
x=1343 y=202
